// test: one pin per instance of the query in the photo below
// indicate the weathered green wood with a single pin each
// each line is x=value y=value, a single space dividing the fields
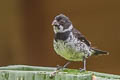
x=23 y=72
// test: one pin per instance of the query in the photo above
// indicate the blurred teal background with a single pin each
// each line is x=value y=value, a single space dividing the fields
x=26 y=34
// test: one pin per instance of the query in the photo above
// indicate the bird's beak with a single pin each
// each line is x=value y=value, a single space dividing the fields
x=54 y=23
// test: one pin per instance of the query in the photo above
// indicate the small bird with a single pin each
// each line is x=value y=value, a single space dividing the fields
x=69 y=43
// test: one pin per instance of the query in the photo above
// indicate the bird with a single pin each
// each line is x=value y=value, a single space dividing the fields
x=70 y=43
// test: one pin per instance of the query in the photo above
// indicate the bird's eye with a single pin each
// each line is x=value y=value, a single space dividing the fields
x=62 y=21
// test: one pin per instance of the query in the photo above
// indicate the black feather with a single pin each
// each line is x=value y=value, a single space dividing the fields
x=98 y=52
x=62 y=36
x=80 y=37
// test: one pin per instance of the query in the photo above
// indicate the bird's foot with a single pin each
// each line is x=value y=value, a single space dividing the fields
x=56 y=71
x=82 y=70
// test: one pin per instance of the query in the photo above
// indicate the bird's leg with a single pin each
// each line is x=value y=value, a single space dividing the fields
x=84 y=61
x=84 y=65
x=60 y=67
x=66 y=64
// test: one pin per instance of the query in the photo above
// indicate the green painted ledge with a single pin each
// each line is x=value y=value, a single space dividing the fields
x=24 y=72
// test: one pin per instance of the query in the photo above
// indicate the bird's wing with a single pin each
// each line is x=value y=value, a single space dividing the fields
x=80 y=37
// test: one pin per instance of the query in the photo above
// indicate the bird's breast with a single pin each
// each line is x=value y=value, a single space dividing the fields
x=67 y=52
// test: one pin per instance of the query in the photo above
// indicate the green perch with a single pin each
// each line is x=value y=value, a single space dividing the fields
x=24 y=72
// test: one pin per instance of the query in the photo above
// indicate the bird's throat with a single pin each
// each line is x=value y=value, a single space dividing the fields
x=62 y=36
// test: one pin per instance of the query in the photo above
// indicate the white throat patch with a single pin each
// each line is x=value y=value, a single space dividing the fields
x=61 y=29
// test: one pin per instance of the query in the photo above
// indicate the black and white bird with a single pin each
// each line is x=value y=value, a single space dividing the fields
x=69 y=43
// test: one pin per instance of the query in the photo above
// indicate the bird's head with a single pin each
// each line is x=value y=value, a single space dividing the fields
x=61 y=23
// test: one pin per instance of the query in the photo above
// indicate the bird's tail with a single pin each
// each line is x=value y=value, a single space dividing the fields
x=99 y=52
